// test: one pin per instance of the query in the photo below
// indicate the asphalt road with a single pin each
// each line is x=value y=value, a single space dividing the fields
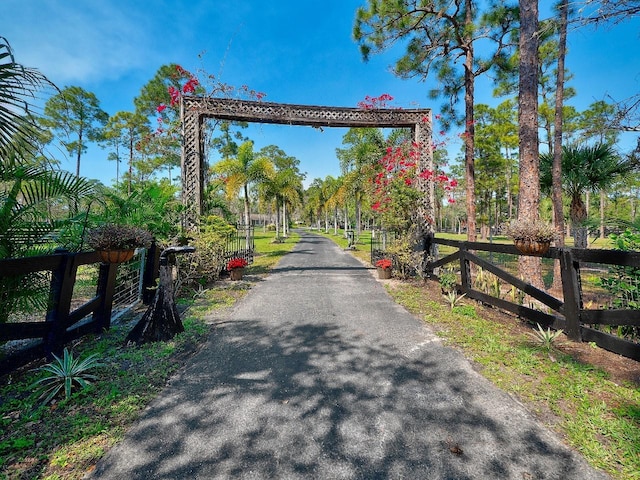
x=318 y=374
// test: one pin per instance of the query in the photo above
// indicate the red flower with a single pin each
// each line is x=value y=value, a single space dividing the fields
x=383 y=263
x=161 y=108
x=191 y=85
x=174 y=93
x=236 y=262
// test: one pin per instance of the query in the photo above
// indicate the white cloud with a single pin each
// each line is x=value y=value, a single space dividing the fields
x=77 y=41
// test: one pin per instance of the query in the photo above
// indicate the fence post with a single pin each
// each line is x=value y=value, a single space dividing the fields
x=570 y=270
x=59 y=304
x=105 y=289
x=465 y=269
x=150 y=273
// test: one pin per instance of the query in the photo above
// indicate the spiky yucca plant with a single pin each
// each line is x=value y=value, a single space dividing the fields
x=63 y=372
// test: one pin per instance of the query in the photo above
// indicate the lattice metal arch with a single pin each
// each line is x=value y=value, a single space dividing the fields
x=195 y=109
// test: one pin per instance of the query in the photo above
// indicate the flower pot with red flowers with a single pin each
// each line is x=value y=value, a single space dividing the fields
x=384 y=268
x=117 y=243
x=235 y=266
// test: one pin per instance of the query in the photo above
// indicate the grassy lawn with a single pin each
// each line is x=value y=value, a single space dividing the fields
x=65 y=439
x=594 y=414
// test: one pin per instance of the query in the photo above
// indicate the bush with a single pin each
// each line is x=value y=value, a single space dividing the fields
x=402 y=253
x=203 y=267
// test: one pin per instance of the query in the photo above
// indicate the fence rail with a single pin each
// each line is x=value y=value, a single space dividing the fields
x=569 y=313
x=63 y=321
x=117 y=288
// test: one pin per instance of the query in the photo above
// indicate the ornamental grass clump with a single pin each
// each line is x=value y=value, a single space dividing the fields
x=112 y=236
x=537 y=231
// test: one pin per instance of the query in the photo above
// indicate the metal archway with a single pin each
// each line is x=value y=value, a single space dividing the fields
x=195 y=109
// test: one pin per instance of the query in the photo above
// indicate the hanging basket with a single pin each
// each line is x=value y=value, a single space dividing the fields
x=532 y=247
x=236 y=273
x=116 y=256
x=384 y=273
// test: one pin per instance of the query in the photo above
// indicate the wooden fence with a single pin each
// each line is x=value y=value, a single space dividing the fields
x=569 y=313
x=62 y=324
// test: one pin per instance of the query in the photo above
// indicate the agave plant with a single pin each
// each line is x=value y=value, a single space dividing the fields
x=63 y=373
x=546 y=338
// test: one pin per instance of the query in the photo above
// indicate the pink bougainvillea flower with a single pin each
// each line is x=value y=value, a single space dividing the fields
x=161 y=108
x=174 y=93
x=191 y=85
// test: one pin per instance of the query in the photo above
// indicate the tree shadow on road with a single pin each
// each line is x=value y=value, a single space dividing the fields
x=316 y=401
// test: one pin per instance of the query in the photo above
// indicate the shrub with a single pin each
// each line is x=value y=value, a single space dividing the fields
x=448 y=281
x=203 y=267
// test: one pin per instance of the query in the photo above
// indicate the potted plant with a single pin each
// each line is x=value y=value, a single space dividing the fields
x=384 y=268
x=116 y=243
x=531 y=238
x=236 y=267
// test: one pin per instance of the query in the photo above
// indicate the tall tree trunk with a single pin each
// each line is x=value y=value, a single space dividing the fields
x=284 y=219
x=247 y=218
x=556 y=169
x=602 y=205
x=578 y=216
x=130 y=166
x=529 y=198
x=277 y=219
x=469 y=130
x=335 y=220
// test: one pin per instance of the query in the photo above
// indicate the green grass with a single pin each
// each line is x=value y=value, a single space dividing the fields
x=65 y=439
x=596 y=416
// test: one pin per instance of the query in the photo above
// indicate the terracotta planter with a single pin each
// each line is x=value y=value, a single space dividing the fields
x=532 y=247
x=236 y=273
x=384 y=273
x=116 y=256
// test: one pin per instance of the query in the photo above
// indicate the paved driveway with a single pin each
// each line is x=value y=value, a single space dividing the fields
x=318 y=374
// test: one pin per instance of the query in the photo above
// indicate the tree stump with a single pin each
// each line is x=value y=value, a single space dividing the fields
x=161 y=321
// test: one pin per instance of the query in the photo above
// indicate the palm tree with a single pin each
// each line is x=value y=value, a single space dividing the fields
x=34 y=211
x=284 y=187
x=34 y=200
x=585 y=169
x=240 y=171
x=19 y=86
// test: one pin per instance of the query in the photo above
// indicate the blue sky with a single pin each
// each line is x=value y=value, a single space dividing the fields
x=295 y=51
